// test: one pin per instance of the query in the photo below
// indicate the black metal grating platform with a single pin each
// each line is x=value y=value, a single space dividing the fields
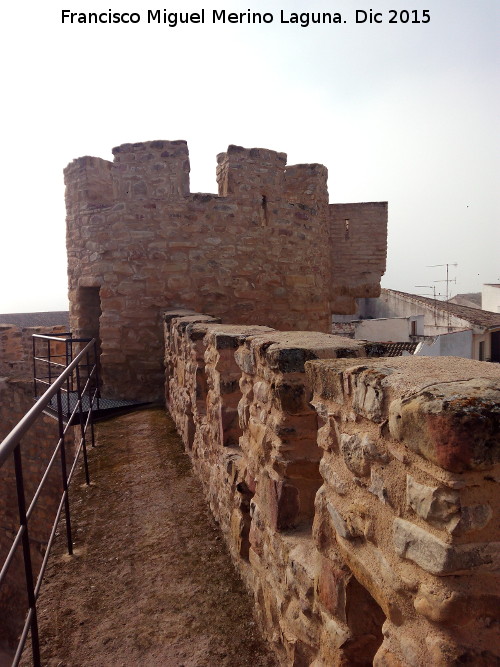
x=103 y=407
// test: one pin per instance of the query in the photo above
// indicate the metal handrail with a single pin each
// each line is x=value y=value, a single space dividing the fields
x=8 y=444
x=11 y=446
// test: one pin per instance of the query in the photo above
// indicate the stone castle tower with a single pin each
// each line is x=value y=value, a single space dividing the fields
x=267 y=249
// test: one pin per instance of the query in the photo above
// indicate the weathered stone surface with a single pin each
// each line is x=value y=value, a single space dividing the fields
x=367 y=391
x=328 y=435
x=327 y=469
x=454 y=425
x=245 y=360
x=442 y=651
x=438 y=557
x=344 y=528
x=330 y=588
x=386 y=658
x=282 y=501
x=438 y=505
x=291 y=398
x=365 y=573
x=377 y=486
x=473 y=517
x=449 y=607
x=359 y=451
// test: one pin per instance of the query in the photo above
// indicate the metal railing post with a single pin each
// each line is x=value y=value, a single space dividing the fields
x=35 y=388
x=92 y=394
x=64 y=473
x=69 y=386
x=97 y=374
x=49 y=362
x=82 y=425
x=28 y=568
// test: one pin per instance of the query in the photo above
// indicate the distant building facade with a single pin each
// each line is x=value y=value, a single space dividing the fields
x=449 y=329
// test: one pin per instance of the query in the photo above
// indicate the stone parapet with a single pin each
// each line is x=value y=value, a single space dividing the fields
x=358 y=496
x=151 y=170
x=89 y=184
x=409 y=500
x=251 y=172
x=16 y=349
x=306 y=184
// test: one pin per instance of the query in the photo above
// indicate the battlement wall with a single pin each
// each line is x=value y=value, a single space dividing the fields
x=359 y=251
x=358 y=496
x=16 y=349
x=259 y=252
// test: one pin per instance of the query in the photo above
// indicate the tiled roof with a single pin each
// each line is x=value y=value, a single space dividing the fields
x=391 y=349
x=476 y=316
x=472 y=300
x=48 y=319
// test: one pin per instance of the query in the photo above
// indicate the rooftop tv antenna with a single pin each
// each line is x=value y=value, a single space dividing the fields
x=448 y=280
x=433 y=288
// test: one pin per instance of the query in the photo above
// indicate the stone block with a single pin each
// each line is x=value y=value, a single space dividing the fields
x=326 y=378
x=280 y=501
x=330 y=588
x=453 y=607
x=359 y=452
x=291 y=398
x=472 y=517
x=438 y=557
x=289 y=360
x=377 y=486
x=262 y=391
x=245 y=359
x=455 y=425
x=368 y=391
x=328 y=435
x=348 y=527
x=434 y=504
x=334 y=635
x=328 y=471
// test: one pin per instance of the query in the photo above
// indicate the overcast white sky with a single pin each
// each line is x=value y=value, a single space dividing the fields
x=399 y=112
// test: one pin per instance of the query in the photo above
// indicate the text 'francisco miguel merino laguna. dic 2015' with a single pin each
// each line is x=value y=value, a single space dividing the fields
x=173 y=19
x=221 y=16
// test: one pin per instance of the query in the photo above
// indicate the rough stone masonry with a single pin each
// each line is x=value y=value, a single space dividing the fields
x=358 y=496
x=268 y=249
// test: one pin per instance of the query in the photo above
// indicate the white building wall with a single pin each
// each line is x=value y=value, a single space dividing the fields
x=490 y=298
x=455 y=344
x=389 y=305
x=394 y=329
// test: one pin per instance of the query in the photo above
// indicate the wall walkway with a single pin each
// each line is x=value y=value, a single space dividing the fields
x=151 y=582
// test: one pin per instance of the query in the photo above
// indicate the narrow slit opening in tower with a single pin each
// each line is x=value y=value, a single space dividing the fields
x=264 y=211
x=346 y=229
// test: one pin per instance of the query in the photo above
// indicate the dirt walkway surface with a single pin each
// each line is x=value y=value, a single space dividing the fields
x=151 y=582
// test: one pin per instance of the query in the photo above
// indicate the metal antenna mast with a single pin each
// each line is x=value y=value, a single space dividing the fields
x=433 y=288
x=447 y=281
